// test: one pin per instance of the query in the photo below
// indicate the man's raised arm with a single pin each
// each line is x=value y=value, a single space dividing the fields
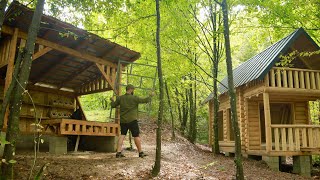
x=115 y=103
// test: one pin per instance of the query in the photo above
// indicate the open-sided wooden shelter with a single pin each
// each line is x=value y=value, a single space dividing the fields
x=68 y=62
x=273 y=104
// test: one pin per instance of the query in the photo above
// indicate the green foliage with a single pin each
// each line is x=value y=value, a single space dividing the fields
x=185 y=33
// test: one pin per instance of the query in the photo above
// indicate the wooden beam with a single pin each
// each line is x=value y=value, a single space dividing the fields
x=45 y=72
x=10 y=67
x=267 y=117
x=12 y=55
x=80 y=106
x=75 y=74
x=50 y=90
x=41 y=53
x=292 y=91
x=64 y=49
x=105 y=75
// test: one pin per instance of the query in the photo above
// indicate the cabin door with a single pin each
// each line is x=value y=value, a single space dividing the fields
x=281 y=113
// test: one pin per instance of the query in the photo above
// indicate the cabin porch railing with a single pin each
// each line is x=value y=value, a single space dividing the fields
x=293 y=78
x=294 y=137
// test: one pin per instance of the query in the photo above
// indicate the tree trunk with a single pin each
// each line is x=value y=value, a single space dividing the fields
x=194 y=133
x=3 y=5
x=157 y=164
x=15 y=105
x=173 y=136
x=232 y=94
x=178 y=105
x=185 y=111
x=191 y=115
x=213 y=15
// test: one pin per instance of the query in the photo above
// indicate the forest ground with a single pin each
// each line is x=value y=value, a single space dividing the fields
x=180 y=160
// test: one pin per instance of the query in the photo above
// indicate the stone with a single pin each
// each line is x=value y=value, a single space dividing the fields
x=302 y=165
x=272 y=162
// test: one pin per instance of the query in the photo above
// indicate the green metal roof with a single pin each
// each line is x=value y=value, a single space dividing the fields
x=259 y=65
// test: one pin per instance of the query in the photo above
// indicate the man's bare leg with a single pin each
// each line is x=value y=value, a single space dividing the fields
x=120 y=142
x=137 y=141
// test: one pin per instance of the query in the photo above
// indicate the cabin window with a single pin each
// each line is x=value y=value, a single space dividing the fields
x=220 y=125
x=230 y=128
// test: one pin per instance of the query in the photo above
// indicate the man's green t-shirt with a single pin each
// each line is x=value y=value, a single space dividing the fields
x=129 y=106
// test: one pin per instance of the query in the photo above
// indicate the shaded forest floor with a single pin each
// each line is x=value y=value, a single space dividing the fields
x=180 y=160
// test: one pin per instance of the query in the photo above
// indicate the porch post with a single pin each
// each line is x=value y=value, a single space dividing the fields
x=10 y=69
x=267 y=118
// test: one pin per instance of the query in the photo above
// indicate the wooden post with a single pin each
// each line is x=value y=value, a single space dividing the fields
x=118 y=91
x=77 y=144
x=11 y=58
x=12 y=53
x=267 y=117
x=80 y=106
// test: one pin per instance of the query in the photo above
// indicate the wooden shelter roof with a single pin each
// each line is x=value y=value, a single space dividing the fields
x=259 y=65
x=56 y=67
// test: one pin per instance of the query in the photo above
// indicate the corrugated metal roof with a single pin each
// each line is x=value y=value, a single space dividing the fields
x=259 y=65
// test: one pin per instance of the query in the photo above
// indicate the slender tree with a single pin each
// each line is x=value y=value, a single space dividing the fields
x=173 y=136
x=157 y=164
x=216 y=57
x=232 y=94
x=18 y=91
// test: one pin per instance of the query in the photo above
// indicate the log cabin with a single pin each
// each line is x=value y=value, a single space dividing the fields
x=68 y=62
x=273 y=104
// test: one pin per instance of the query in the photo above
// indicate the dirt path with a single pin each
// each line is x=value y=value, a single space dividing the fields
x=180 y=160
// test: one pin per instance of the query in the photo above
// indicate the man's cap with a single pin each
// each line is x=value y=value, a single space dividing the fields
x=129 y=86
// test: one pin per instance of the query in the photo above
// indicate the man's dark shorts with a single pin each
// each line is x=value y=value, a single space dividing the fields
x=132 y=126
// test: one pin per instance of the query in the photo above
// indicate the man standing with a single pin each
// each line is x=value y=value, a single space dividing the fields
x=128 y=117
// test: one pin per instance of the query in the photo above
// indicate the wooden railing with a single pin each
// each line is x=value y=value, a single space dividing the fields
x=79 y=127
x=286 y=137
x=293 y=78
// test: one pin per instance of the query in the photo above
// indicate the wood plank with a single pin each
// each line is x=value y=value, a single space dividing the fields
x=316 y=137
x=80 y=106
x=297 y=138
x=267 y=121
x=307 y=80
x=41 y=53
x=283 y=139
x=318 y=80
x=304 y=137
x=266 y=80
x=272 y=77
x=11 y=58
x=75 y=74
x=313 y=80
x=64 y=49
x=296 y=79
x=284 y=78
x=10 y=67
x=276 y=139
x=290 y=78
x=290 y=138
x=278 y=76
x=301 y=79
x=77 y=144
x=106 y=77
x=310 y=137
x=293 y=91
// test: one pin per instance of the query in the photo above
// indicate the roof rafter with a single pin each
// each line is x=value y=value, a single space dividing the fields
x=75 y=74
x=40 y=76
x=61 y=48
